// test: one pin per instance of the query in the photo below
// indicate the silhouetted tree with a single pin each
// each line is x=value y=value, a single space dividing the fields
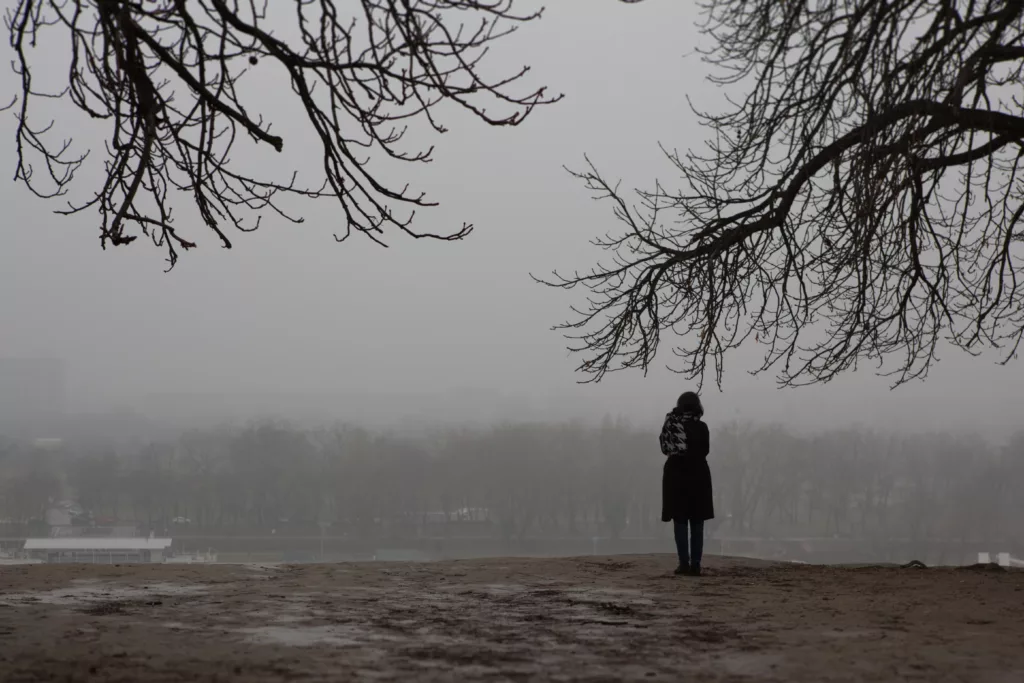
x=171 y=80
x=538 y=480
x=96 y=479
x=859 y=198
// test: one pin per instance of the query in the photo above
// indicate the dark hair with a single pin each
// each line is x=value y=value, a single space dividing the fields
x=689 y=402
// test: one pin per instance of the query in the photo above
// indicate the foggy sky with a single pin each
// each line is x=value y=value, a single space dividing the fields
x=289 y=321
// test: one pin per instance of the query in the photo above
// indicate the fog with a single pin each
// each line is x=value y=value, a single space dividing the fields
x=289 y=324
x=298 y=459
x=274 y=491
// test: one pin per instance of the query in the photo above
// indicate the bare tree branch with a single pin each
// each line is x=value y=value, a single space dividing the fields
x=166 y=77
x=861 y=201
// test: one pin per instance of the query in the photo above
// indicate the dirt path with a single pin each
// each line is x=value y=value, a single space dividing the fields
x=592 y=619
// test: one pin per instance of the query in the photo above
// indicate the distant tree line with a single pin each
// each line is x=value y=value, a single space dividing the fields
x=528 y=480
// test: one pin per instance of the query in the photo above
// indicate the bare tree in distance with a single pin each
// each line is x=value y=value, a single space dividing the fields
x=166 y=77
x=859 y=201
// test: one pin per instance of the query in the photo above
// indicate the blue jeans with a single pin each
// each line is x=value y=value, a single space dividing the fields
x=690 y=554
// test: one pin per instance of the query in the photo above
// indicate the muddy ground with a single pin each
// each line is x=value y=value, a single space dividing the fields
x=588 y=619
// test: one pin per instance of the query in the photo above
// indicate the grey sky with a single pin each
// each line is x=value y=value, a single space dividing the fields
x=447 y=326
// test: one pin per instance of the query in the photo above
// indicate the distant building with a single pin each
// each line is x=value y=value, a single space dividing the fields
x=81 y=531
x=98 y=550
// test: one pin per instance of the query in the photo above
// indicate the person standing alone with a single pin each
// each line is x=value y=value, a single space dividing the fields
x=686 y=496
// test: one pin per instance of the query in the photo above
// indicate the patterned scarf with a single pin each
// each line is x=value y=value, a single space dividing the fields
x=673 y=434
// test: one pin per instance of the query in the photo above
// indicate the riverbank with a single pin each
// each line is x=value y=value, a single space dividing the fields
x=621 y=618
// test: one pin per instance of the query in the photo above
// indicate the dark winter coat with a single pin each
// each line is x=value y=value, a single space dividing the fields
x=686 y=481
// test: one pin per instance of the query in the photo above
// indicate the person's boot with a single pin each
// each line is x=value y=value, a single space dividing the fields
x=681 y=570
x=694 y=570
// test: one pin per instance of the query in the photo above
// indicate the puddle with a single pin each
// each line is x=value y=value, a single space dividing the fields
x=309 y=636
x=851 y=633
x=298 y=637
x=85 y=592
x=278 y=617
x=605 y=595
x=496 y=588
x=179 y=626
x=745 y=664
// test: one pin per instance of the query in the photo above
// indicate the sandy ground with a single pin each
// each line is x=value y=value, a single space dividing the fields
x=587 y=619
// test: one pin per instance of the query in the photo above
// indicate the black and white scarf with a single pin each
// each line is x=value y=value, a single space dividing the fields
x=673 y=433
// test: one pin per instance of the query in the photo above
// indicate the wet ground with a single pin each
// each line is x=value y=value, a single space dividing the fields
x=588 y=619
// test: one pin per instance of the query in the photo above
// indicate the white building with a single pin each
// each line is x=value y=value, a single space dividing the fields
x=98 y=550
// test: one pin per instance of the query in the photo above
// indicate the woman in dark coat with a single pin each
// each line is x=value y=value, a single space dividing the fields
x=686 y=481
